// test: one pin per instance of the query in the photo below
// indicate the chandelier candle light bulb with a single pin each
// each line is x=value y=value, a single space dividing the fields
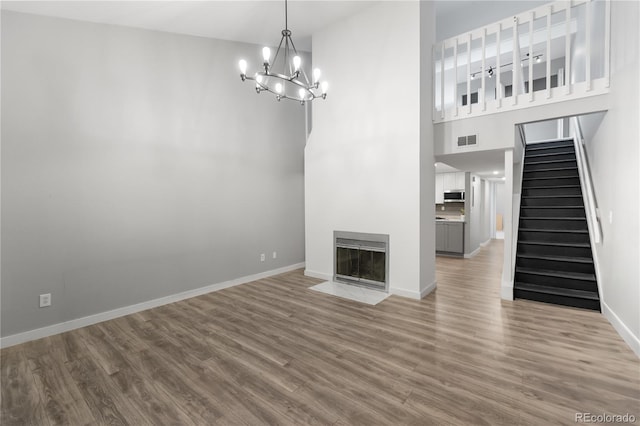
x=266 y=54
x=283 y=75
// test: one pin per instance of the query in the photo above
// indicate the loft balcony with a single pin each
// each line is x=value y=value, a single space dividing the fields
x=554 y=53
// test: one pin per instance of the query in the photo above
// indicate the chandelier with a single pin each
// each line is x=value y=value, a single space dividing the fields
x=284 y=75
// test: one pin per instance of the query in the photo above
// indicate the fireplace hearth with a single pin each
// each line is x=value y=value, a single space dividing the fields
x=361 y=259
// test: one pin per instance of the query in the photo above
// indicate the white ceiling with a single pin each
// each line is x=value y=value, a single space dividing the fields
x=481 y=163
x=254 y=21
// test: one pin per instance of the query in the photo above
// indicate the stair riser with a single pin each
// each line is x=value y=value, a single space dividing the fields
x=553 y=265
x=553 y=224
x=550 y=182
x=554 y=250
x=552 y=144
x=559 y=165
x=556 y=282
x=540 y=157
x=551 y=191
x=552 y=237
x=552 y=150
x=557 y=300
x=550 y=173
x=559 y=212
x=553 y=201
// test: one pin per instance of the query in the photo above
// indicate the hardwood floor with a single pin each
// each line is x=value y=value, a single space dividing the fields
x=274 y=352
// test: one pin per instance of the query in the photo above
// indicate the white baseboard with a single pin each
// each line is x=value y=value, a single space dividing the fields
x=473 y=253
x=428 y=289
x=62 y=327
x=319 y=275
x=413 y=294
x=506 y=290
x=485 y=243
x=627 y=335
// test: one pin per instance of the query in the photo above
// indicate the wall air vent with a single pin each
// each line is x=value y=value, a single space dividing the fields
x=467 y=140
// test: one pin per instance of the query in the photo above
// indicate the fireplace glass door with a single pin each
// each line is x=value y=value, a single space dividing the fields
x=361 y=263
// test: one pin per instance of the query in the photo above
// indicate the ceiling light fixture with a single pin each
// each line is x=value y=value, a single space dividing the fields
x=285 y=78
x=491 y=70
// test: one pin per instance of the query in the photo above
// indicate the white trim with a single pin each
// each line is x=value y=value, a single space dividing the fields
x=319 y=275
x=73 y=324
x=472 y=254
x=413 y=294
x=428 y=289
x=506 y=290
x=627 y=335
x=486 y=242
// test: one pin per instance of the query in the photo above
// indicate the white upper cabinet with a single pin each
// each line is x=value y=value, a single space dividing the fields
x=439 y=188
x=459 y=181
x=449 y=181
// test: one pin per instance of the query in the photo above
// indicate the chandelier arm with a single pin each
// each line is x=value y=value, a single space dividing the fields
x=278 y=51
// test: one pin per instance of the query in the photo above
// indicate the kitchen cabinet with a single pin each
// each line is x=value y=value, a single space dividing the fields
x=450 y=237
x=449 y=181
x=440 y=188
x=459 y=180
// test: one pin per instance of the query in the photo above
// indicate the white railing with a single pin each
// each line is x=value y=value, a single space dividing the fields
x=556 y=52
x=588 y=194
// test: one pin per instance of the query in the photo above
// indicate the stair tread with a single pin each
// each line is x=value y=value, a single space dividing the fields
x=552 y=218
x=551 y=207
x=555 y=244
x=532 y=163
x=548 y=154
x=570 y=231
x=558 y=274
x=558 y=291
x=555 y=169
x=554 y=186
x=573 y=259
x=551 y=177
x=552 y=196
x=541 y=147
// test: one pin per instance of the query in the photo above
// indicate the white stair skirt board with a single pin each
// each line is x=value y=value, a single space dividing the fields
x=62 y=327
x=625 y=332
x=351 y=292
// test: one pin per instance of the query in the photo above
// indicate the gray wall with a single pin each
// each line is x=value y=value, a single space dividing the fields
x=135 y=165
x=613 y=159
x=541 y=130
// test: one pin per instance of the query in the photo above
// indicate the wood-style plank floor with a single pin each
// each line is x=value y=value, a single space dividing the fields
x=274 y=352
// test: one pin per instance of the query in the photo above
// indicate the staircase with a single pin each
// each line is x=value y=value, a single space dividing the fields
x=554 y=263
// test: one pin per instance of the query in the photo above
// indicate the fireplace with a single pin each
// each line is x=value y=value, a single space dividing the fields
x=361 y=259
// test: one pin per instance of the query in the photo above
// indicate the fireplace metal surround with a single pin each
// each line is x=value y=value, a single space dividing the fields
x=361 y=259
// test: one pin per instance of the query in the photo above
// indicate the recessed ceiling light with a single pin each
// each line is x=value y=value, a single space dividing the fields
x=504 y=178
x=495 y=172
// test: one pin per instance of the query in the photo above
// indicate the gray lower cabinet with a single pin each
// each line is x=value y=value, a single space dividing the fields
x=450 y=237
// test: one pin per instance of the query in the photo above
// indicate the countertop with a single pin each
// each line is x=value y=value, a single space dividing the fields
x=451 y=219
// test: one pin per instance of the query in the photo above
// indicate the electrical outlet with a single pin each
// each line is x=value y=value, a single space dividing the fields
x=262 y=257
x=275 y=254
x=45 y=300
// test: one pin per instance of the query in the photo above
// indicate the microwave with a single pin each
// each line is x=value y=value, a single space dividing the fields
x=454 y=196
